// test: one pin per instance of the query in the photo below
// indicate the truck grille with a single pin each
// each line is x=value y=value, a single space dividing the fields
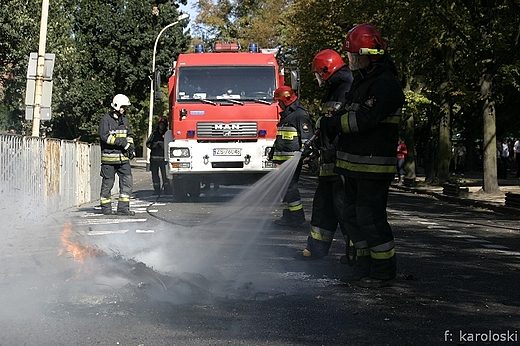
x=227 y=130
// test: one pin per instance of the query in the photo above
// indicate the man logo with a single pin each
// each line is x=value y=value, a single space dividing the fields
x=226 y=127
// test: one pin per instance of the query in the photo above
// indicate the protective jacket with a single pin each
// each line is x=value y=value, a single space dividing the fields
x=332 y=102
x=115 y=135
x=294 y=129
x=156 y=145
x=370 y=126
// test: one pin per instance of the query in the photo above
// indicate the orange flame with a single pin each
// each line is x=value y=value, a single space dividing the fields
x=73 y=248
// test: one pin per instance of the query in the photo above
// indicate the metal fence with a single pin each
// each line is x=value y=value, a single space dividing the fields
x=47 y=175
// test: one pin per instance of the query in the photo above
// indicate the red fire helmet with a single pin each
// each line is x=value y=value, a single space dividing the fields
x=326 y=62
x=365 y=39
x=285 y=94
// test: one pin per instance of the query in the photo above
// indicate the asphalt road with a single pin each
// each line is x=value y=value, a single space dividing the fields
x=215 y=271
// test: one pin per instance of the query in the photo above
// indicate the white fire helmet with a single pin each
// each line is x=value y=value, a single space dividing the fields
x=119 y=101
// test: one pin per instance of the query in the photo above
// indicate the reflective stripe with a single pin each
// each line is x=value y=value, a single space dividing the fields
x=383 y=255
x=349 y=122
x=362 y=252
x=327 y=173
x=383 y=247
x=383 y=251
x=321 y=234
x=392 y=120
x=326 y=169
x=282 y=158
x=361 y=244
x=363 y=159
x=365 y=168
x=106 y=201
x=287 y=132
x=111 y=139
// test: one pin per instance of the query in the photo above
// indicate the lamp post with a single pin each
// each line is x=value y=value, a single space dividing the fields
x=150 y=116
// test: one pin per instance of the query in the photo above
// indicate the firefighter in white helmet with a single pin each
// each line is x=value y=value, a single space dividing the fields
x=117 y=149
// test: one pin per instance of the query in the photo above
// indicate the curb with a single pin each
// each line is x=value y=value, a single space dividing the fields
x=467 y=202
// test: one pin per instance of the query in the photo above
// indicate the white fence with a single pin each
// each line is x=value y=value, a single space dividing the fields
x=47 y=175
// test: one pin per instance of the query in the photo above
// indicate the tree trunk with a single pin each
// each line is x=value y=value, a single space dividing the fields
x=444 y=146
x=490 y=182
x=409 y=140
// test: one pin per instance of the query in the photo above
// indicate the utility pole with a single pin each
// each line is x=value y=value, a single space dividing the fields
x=38 y=90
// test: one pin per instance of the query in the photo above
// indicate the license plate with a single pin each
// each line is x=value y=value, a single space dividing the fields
x=227 y=152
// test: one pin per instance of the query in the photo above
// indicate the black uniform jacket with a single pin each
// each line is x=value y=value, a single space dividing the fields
x=333 y=101
x=156 y=145
x=294 y=129
x=115 y=134
x=370 y=126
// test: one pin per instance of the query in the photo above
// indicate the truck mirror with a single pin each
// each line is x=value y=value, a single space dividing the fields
x=158 y=95
x=295 y=80
x=157 y=80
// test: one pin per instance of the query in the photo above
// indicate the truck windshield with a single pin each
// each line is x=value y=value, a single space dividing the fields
x=226 y=82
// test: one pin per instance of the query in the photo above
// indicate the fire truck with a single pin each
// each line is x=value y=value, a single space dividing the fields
x=222 y=117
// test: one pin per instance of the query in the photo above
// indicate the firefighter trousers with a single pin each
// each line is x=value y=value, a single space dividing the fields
x=157 y=167
x=365 y=217
x=293 y=207
x=327 y=209
x=108 y=173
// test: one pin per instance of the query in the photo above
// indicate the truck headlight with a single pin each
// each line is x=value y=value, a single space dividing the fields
x=179 y=152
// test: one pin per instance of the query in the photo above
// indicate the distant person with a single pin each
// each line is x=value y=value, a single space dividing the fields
x=157 y=162
x=402 y=151
x=294 y=129
x=460 y=158
x=12 y=130
x=516 y=154
x=504 y=158
x=117 y=149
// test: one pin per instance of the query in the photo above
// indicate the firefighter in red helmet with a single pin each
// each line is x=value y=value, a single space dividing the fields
x=368 y=132
x=294 y=129
x=334 y=75
x=157 y=162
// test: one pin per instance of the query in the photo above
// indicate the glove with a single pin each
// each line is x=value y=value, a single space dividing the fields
x=271 y=154
x=130 y=152
x=323 y=123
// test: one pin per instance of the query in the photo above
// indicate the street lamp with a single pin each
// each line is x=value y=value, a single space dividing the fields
x=150 y=116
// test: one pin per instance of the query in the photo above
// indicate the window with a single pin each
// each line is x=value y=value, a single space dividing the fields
x=226 y=82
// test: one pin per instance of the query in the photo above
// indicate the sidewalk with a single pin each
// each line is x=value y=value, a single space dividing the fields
x=476 y=197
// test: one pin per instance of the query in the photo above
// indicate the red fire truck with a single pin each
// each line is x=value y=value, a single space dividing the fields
x=223 y=117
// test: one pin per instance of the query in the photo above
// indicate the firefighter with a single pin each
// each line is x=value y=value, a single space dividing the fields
x=157 y=163
x=294 y=129
x=117 y=149
x=333 y=74
x=369 y=129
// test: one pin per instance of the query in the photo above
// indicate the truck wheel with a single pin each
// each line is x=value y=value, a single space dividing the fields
x=193 y=188
x=179 y=190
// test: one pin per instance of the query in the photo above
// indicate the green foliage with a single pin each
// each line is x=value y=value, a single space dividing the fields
x=102 y=48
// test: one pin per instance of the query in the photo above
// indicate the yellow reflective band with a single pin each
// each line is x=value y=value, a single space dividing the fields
x=345 y=128
x=363 y=252
x=356 y=167
x=106 y=201
x=326 y=172
x=282 y=157
x=124 y=199
x=320 y=237
x=383 y=255
x=296 y=207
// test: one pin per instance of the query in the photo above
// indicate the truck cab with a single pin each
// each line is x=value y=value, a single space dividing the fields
x=223 y=118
